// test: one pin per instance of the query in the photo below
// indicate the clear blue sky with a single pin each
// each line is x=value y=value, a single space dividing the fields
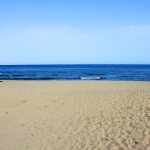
x=74 y=32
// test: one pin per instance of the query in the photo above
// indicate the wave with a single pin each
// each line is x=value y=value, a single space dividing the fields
x=90 y=78
x=95 y=74
x=10 y=75
x=27 y=78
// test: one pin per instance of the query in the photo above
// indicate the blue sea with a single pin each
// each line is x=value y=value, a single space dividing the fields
x=75 y=72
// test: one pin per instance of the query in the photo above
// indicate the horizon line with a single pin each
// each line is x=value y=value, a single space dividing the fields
x=71 y=64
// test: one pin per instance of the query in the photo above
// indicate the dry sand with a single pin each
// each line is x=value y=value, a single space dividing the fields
x=64 y=115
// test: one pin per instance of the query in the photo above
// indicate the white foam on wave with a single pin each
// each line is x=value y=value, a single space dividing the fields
x=91 y=78
x=10 y=75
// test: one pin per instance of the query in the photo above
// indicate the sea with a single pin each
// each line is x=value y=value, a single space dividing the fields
x=76 y=72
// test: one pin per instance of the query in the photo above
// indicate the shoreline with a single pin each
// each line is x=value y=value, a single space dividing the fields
x=77 y=80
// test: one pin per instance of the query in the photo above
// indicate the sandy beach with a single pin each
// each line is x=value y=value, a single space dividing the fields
x=68 y=115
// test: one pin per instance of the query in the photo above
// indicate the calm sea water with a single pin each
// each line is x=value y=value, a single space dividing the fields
x=75 y=72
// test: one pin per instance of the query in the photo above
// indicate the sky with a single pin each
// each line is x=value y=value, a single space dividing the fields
x=74 y=32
